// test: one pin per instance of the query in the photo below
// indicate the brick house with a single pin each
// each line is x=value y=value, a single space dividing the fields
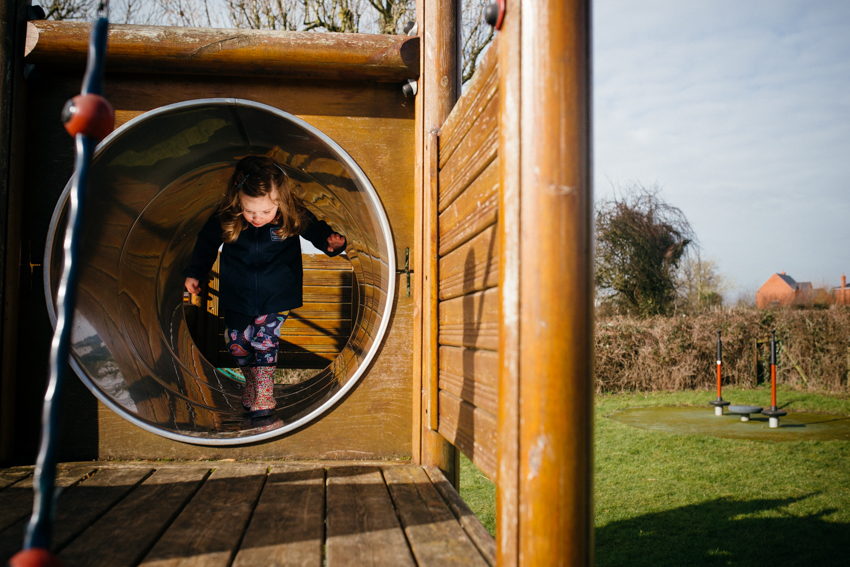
x=781 y=290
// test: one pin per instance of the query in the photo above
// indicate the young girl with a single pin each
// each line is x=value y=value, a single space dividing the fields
x=259 y=220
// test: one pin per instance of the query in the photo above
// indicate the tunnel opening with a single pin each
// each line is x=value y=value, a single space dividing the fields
x=152 y=355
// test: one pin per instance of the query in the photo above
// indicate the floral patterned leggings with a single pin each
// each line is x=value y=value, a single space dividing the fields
x=255 y=351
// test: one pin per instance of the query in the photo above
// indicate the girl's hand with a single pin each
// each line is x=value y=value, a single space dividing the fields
x=193 y=286
x=335 y=242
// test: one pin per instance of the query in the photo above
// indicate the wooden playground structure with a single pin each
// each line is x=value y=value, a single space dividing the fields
x=490 y=195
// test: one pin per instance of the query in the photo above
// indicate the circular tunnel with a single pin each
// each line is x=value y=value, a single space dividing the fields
x=153 y=184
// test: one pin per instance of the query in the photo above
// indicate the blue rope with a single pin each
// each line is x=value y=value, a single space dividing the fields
x=40 y=525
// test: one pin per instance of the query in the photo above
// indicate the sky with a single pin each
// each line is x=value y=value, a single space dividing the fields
x=740 y=112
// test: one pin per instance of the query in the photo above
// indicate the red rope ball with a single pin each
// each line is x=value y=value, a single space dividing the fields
x=34 y=557
x=90 y=115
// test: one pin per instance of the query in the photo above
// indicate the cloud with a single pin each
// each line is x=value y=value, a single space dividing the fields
x=741 y=112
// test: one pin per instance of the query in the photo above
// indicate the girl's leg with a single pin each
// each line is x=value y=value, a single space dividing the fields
x=264 y=403
x=265 y=343
x=249 y=394
x=239 y=346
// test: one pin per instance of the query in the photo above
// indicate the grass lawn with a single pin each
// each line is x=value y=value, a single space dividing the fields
x=667 y=499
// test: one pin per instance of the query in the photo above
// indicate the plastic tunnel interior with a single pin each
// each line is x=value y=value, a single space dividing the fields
x=153 y=184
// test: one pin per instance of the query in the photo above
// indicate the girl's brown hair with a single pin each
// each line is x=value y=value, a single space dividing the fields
x=257 y=176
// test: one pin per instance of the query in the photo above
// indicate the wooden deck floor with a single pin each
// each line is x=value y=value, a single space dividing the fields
x=244 y=514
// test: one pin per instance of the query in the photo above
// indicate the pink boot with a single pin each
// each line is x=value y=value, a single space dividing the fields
x=264 y=402
x=249 y=394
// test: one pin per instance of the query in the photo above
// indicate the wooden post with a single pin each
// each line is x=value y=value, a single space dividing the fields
x=546 y=384
x=12 y=22
x=507 y=486
x=439 y=88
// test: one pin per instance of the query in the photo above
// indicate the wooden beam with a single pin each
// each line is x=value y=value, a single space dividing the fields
x=555 y=441
x=507 y=485
x=439 y=89
x=230 y=52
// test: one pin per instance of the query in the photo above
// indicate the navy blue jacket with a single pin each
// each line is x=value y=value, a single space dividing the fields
x=260 y=272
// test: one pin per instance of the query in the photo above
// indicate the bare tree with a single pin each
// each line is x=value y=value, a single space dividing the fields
x=393 y=14
x=185 y=13
x=640 y=241
x=699 y=282
x=68 y=9
x=477 y=36
x=265 y=14
x=333 y=15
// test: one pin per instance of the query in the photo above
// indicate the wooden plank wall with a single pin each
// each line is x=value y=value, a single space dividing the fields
x=468 y=256
x=371 y=120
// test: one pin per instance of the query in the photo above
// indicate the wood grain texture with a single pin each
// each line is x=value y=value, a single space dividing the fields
x=417 y=264
x=555 y=439
x=471 y=375
x=470 y=429
x=507 y=489
x=440 y=87
x=8 y=477
x=474 y=266
x=91 y=499
x=362 y=527
x=196 y=51
x=471 y=320
x=287 y=527
x=125 y=533
x=12 y=536
x=474 y=210
x=432 y=278
x=373 y=122
x=478 y=149
x=468 y=520
x=432 y=530
x=478 y=92
x=479 y=127
x=16 y=501
x=209 y=529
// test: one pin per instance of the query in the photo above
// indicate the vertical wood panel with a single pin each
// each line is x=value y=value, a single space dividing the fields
x=416 y=264
x=507 y=487
x=432 y=282
x=439 y=88
x=468 y=268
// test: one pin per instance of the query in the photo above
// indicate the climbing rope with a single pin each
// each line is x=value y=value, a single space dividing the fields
x=89 y=118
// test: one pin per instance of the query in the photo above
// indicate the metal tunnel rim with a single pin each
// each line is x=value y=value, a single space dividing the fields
x=365 y=186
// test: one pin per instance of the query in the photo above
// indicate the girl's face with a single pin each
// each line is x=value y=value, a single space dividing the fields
x=259 y=211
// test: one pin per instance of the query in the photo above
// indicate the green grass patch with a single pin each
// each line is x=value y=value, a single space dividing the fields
x=667 y=499
x=479 y=492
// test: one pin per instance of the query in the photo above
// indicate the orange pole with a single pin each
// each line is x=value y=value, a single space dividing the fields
x=773 y=369
x=718 y=380
x=773 y=386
